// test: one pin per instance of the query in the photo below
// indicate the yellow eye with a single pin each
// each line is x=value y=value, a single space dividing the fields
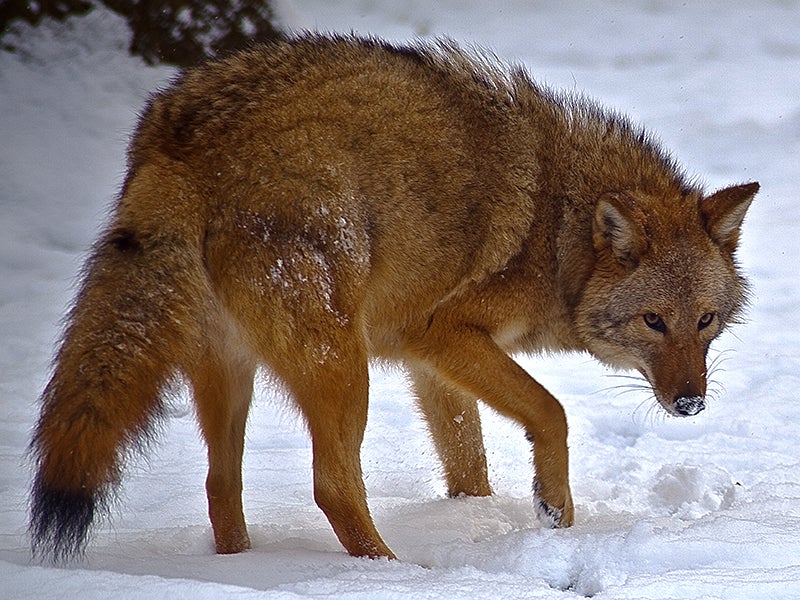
x=705 y=321
x=654 y=321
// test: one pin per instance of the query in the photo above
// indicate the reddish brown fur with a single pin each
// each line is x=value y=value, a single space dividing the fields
x=312 y=204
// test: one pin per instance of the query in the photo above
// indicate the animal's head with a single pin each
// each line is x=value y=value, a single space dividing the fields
x=665 y=284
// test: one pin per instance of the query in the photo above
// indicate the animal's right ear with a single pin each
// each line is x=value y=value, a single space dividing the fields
x=619 y=226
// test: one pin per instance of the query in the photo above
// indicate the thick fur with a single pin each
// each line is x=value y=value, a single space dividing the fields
x=314 y=203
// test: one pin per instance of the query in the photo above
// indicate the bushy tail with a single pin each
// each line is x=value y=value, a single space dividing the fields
x=136 y=319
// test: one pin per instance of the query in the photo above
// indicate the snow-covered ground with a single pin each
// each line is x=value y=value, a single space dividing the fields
x=707 y=507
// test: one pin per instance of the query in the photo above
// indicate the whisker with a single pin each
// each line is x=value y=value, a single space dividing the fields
x=715 y=390
x=732 y=333
x=621 y=376
x=713 y=396
x=711 y=374
x=649 y=410
x=638 y=408
x=638 y=383
x=632 y=390
x=631 y=387
x=652 y=408
x=659 y=414
x=722 y=357
x=717 y=362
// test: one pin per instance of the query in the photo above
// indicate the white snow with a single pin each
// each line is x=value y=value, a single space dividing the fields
x=705 y=507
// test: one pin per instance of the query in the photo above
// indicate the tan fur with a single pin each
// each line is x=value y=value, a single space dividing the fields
x=312 y=204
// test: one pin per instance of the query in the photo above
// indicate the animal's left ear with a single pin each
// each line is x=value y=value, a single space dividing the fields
x=723 y=213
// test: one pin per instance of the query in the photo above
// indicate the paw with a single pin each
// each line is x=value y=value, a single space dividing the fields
x=549 y=515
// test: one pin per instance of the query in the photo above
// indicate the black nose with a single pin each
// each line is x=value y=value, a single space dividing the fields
x=688 y=406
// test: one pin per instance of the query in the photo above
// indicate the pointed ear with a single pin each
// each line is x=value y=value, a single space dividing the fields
x=619 y=225
x=723 y=213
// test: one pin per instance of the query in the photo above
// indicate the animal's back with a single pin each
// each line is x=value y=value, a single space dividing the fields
x=413 y=164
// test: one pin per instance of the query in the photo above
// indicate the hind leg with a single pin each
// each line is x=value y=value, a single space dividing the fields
x=295 y=289
x=333 y=397
x=455 y=427
x=222 y=390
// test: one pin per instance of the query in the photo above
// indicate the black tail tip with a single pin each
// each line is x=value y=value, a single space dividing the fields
x=60 y=523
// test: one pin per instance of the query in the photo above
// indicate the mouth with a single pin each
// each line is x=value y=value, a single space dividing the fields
x=686 y=406
x=682 y=406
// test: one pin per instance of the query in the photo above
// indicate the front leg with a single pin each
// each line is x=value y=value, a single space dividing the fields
x=548 y=514
x=466 y=356
x=455 y=425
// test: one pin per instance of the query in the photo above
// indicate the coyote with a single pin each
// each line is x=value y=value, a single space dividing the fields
x=311 y=204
